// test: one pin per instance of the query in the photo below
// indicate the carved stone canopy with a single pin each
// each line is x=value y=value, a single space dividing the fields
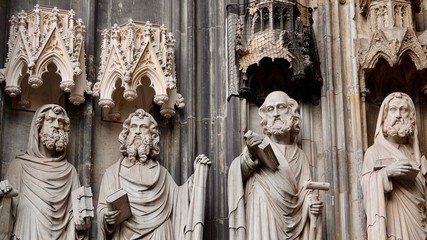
x=392 y=39
x=137 y=65
x=46 y=42
x=367 y=5
x=270 y=30
x=392 y=45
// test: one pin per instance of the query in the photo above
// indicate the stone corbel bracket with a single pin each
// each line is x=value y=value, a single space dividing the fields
x=133 y=52
x=41 y=37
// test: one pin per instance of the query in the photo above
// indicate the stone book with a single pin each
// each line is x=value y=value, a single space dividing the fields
x=82 y=201
x=264 y=152
x=411 y=175
x=266 y=156
x=119 y=201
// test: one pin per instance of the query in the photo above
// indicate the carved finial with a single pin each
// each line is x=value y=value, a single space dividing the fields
x=37 y=9
x=13 y=20
x=115 y=32
x=147 y=31
x=22 y=16
x=163 y=28
x=130 y=41
x=170 y=41
x=12 y=36
x=71 y=13
x=80 y=22
x=54 y=15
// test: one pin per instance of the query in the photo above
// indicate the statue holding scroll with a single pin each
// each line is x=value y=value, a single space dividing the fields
x=269 y=188
x=393 y=174
x=44 y=181
x=139 y=199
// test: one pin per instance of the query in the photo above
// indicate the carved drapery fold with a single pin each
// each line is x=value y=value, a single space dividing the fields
x=43 y=37
x=133 y=54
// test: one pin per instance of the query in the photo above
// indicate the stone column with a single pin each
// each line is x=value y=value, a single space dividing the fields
x=3 y=52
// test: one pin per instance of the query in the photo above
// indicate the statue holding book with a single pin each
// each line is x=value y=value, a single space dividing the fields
x=270 y=192
x=43 y=181
x=139 y=199
x=393 y=174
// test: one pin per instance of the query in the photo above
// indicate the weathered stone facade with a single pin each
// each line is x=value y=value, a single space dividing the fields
x=365 y=49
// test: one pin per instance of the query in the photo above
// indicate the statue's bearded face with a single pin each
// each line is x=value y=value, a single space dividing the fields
x=278 y=116
x=52 y=134
x=398 y=122
x=139 y=140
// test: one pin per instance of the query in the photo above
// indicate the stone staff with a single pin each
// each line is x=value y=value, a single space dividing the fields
x=315 y=186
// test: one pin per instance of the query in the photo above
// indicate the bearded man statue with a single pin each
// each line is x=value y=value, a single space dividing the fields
x=273 y=204
x=393 y=174
x=44 y=180
x=160 y=208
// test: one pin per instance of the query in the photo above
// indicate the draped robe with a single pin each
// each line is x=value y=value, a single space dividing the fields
x=160 y=208
x=395 y=209
x=270 y=205
x=43 y=207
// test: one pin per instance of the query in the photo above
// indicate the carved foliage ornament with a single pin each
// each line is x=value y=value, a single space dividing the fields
x=42 y=37
x=133 y=52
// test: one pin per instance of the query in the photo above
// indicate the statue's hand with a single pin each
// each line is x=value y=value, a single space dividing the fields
x=202 y=160
x=110 y=217
x=82 y=225
x=6 y=189
x=316 y=207
x=252 y=141
x=398 y=169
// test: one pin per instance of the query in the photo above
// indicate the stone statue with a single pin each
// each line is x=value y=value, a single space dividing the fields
x=44 y=180
x=273 y=202
x=393 y=172
x=160 y=209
